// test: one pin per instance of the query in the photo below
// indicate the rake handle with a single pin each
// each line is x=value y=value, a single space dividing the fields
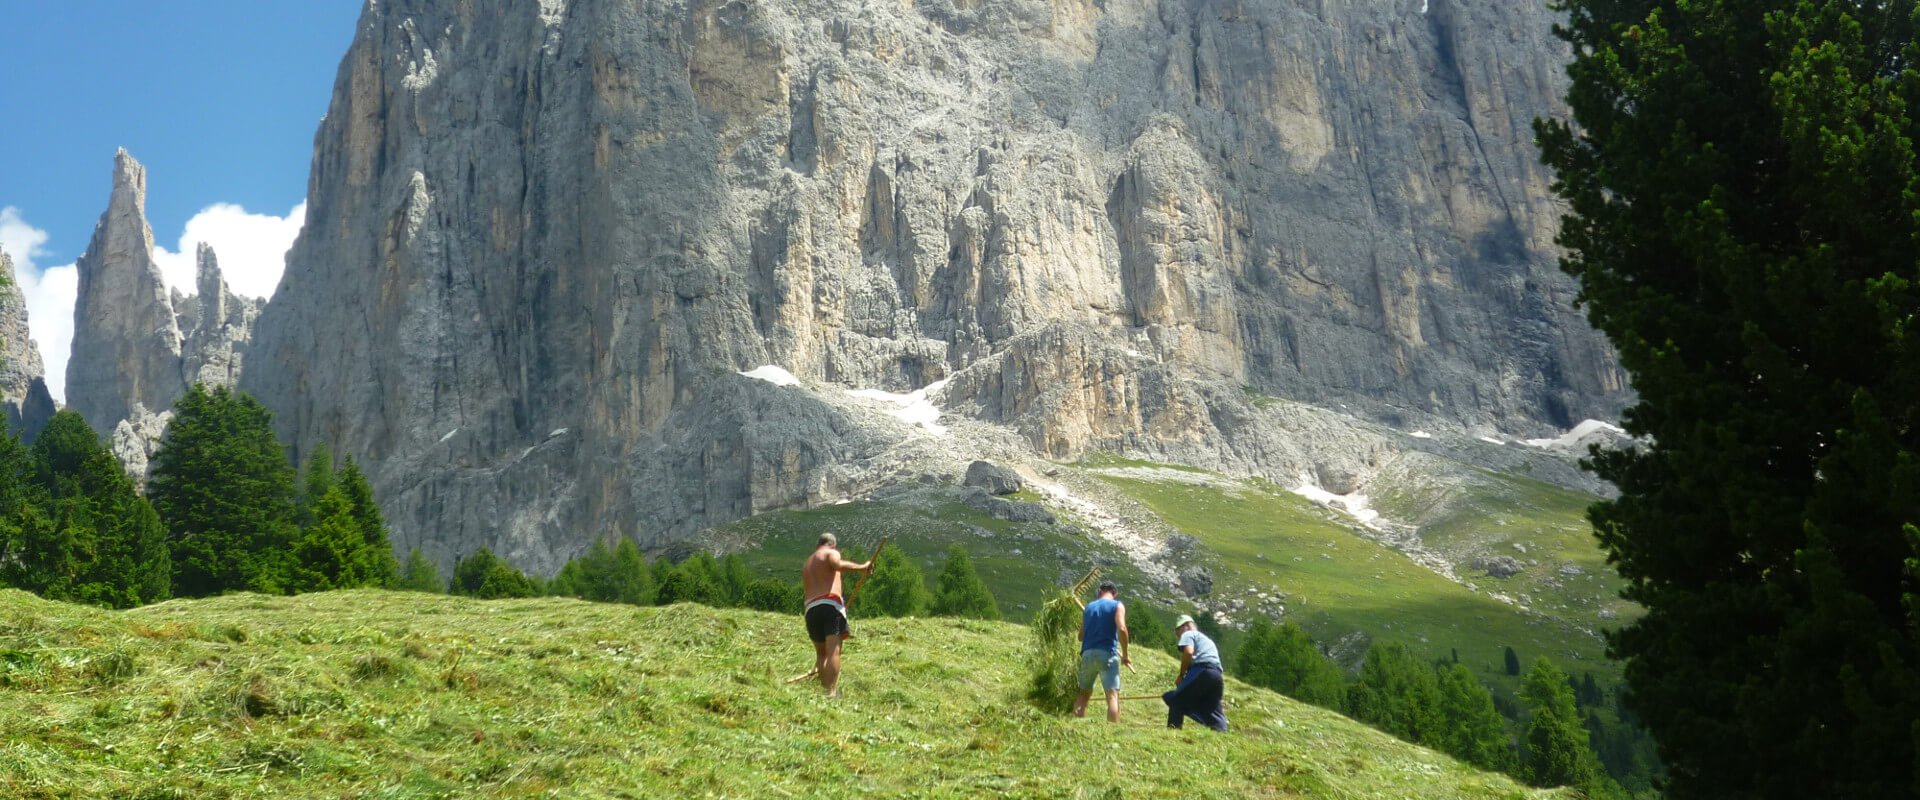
x=868 y=574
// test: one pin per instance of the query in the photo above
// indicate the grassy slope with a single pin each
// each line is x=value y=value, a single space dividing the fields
x=1337 y=583
x=392 y=695
x=1491 y=512
x=1019 y=562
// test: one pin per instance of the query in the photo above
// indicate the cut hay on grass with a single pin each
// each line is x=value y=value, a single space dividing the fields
x=1056 y=648
x=406 y=696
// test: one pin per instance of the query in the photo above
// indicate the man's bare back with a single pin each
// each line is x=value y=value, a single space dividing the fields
x=820 y=575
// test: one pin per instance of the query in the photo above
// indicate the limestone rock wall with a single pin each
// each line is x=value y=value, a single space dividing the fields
x=543 y=236
x=23 y=388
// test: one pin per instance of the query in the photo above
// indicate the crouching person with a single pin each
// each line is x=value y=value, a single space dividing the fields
x=1201 y=684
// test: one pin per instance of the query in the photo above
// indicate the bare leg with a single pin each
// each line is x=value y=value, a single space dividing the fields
x=819 y=658
x=1080 y=703
x=830 y=666
x=1113 y=705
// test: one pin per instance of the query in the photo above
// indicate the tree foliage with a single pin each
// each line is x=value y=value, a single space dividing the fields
x=962 y=593
x=1555 y=745
x=1745 y=205
x=420 y=575
x=1473 y=729
x=1147 y=627
x=1283 y=658
x=224 y=488
x=489 y=577
x=1398 y=693
x=896 y=588
x=72 y=525
x=617 y=574
x=695 y=580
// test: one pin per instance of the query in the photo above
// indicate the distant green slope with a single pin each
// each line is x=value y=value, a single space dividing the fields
x=1020 y=562
x=393 y=695
x=1262 y=538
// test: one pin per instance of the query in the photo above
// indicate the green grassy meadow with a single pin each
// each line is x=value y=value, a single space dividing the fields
x=1257 y=536
x=395 y=695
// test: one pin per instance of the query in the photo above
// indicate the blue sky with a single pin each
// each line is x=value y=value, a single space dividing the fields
x=219 y=98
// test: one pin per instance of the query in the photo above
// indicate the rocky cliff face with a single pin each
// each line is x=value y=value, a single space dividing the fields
x=137 y=346
x=23 y=388
x=544 y=236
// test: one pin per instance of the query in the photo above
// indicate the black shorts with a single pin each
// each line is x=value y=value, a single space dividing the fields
x=825 y=620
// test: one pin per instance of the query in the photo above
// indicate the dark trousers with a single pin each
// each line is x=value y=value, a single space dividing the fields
x=1197 y=696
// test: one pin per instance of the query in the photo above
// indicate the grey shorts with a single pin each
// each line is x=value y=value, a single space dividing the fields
x=1102 y=664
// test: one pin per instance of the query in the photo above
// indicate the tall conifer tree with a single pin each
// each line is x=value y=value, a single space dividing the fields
x=224 y=488
x=963 y=594
x=1745 y=210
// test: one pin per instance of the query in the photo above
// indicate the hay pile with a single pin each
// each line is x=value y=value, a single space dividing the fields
x=1056 y=657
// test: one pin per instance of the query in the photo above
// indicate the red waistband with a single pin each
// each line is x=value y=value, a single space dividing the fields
x=828 y=596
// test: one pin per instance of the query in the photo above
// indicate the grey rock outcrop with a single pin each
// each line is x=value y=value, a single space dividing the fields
x=137 y=346
x=1010 y=510
x=1098 y=223
x=23 y=388
x=992 y=478
x=126 y=340
x=1499 y=566
x=217 y=326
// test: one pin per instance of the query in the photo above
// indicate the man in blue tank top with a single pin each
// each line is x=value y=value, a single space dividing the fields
x=1103 y=648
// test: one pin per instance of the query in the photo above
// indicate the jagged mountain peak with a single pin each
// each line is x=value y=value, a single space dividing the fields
x=23 y=389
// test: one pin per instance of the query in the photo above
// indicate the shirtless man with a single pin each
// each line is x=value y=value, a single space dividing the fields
x=826 y=608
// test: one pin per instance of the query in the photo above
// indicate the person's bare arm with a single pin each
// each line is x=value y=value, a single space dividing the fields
x=844 y=565
x=1126 y=639
x=1186 y=661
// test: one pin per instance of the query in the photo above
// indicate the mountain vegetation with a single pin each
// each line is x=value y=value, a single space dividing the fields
x=1745 y=199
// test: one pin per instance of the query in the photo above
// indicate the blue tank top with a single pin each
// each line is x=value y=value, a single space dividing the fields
x=1102 y=632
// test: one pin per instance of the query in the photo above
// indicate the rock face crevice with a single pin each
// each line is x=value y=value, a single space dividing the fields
x=544 y=236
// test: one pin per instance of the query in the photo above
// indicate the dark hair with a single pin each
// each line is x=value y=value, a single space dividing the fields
x=1107 y=587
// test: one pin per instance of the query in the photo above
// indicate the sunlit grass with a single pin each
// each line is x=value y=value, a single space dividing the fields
x=393 y=695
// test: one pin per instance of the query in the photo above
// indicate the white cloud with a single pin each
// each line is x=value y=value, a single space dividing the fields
x=49 y=291
x=251 y=247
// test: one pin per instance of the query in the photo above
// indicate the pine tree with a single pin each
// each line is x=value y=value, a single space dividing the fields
x=1556 y=751
x=896 y=588
x=374 y=563
x=963 y=594
x=22 y=511
x=1147 y=628
x=130 y=564
x=100 y=541
x=735 y=579
x=1398 y=693
x=632 y=579
x=605 y=574
x=1513 y=662
x=1285 y=659
x=1745 y=202
x=316 y=479
x=773 y=594
x=224 y=488
x=420 y=575
x=695 y=580
x=489 y=577
x=326 y=556
x=1473 y=730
